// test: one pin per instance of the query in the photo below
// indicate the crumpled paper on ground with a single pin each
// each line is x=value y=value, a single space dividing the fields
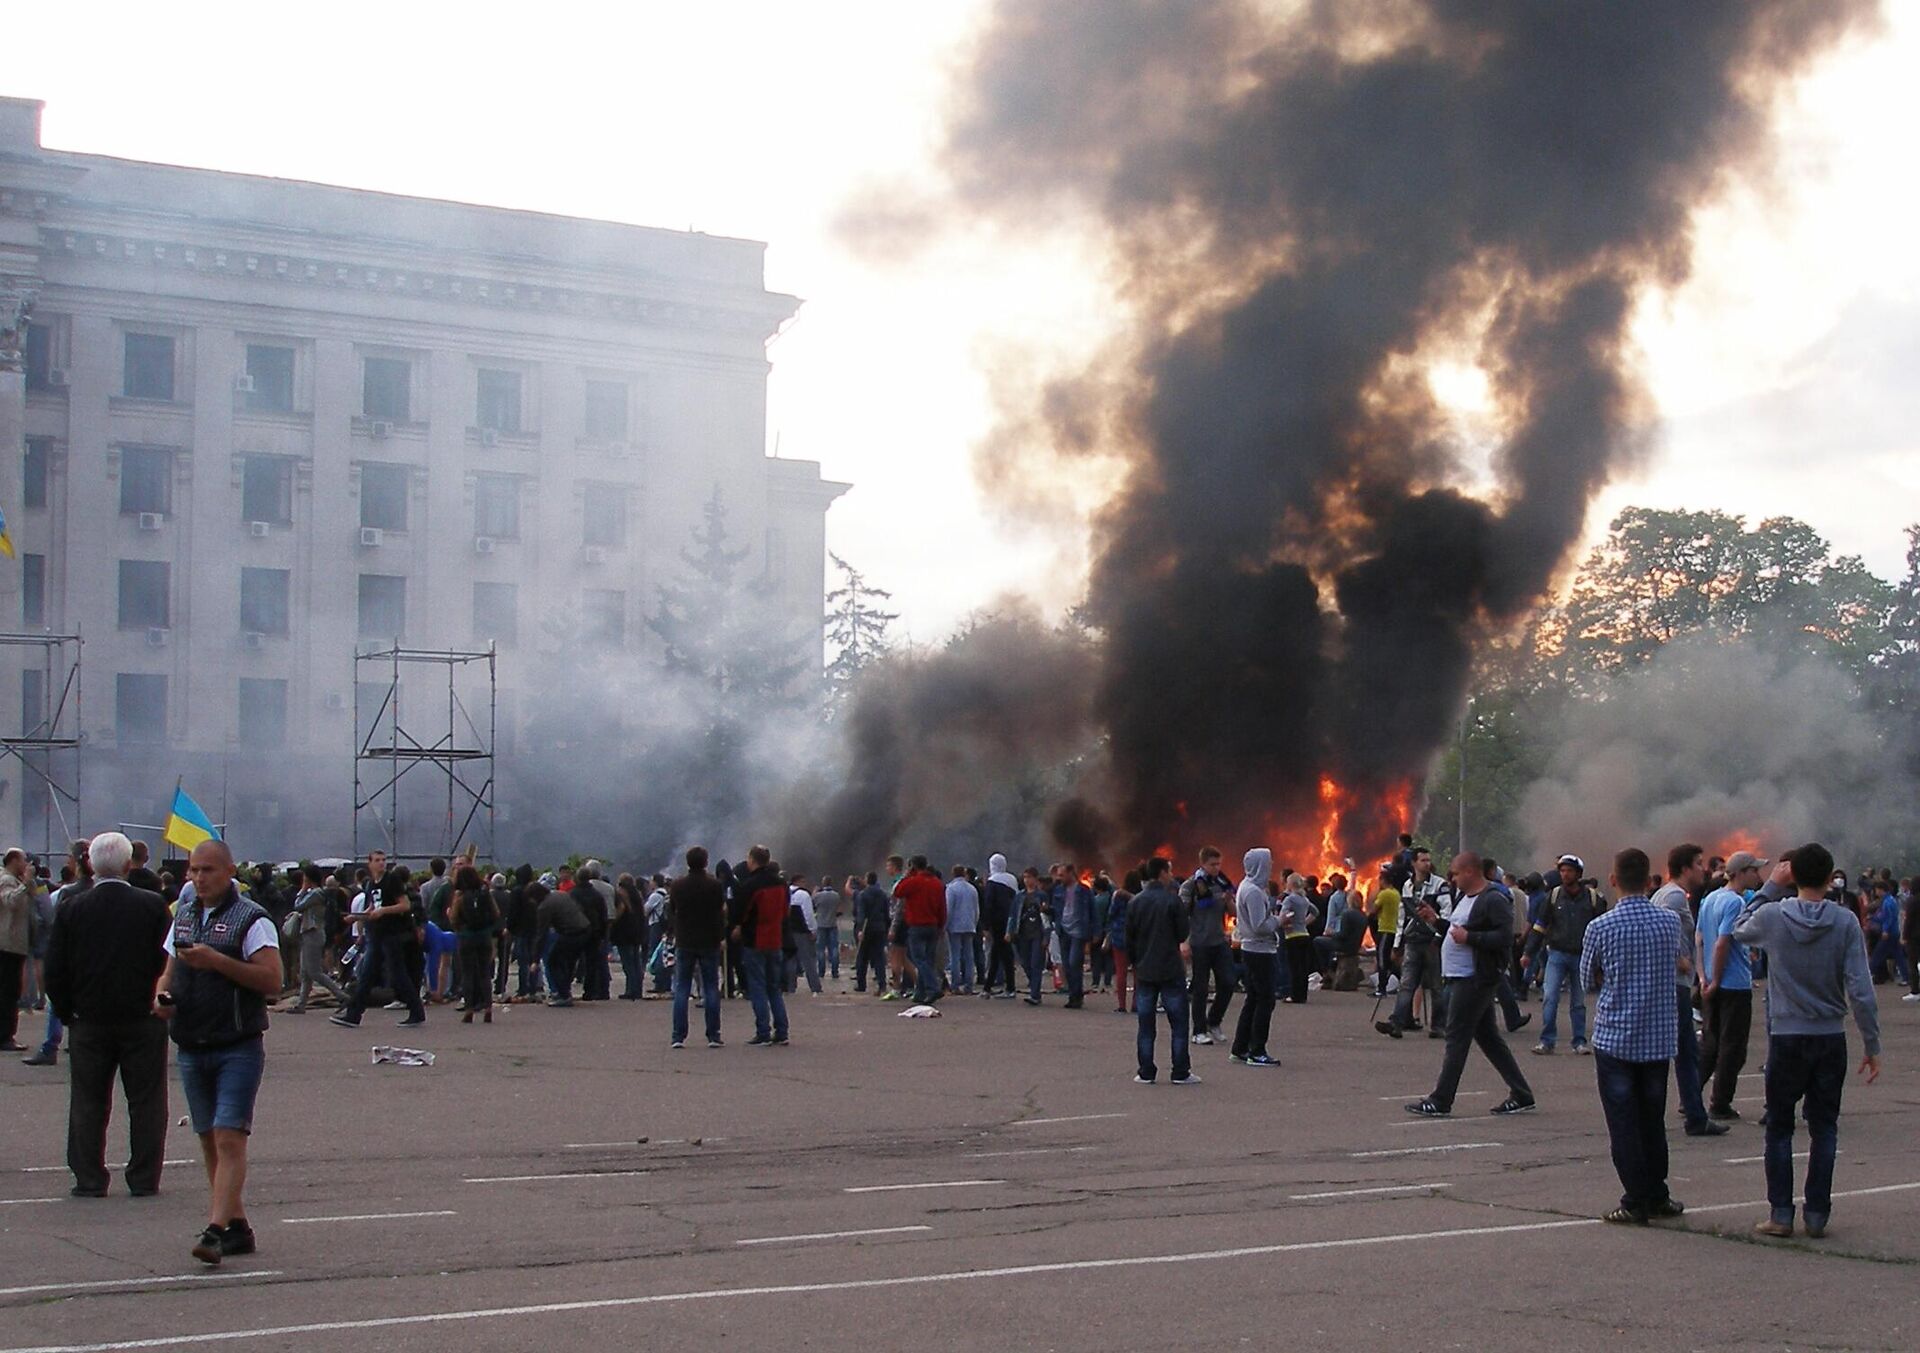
x=920 y=1012
x=402 y=1056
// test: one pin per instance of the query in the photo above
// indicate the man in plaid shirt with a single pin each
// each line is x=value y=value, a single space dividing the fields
x=1631 y=956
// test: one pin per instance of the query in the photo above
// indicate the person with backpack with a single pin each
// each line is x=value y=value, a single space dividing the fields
x=474 y=919
x=1564 y=917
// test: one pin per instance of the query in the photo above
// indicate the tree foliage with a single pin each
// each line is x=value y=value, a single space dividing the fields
x=857 y=629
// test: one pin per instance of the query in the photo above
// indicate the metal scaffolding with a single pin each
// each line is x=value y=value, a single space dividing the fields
x=48 y=745
x=462 y=754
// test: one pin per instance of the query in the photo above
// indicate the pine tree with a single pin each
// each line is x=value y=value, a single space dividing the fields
x=856 y=627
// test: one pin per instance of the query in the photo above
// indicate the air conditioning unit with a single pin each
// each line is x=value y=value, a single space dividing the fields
x=57 y=376
x=380 y=427
x=594 y=554
x=259 y=530
x=243 y=384
x=152 y=521
x=253 y=639
x=489 y=436
x=335 y=700
x=370 y=537
x=157 y=637
x=483 y=545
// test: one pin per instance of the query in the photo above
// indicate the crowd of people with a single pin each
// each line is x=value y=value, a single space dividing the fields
x=1673 y=960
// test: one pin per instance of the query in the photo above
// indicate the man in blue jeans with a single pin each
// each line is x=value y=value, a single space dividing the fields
x=1073 y=914
x=761 y=897
x=1157 y=944
x=697 y=917
x=1686 y=876
x=923 y=906
x=1816 y=969
x=1564 y=917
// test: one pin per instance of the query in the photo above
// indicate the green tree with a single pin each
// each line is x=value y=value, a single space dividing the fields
x=856 y=627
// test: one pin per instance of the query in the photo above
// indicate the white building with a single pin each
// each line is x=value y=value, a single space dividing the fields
x=264 y=422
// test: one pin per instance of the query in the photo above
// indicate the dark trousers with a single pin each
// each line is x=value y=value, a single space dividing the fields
x=136 y=1050
x=12 y=967
x=529 y=961
x=475 y=960
x=1419 y=968
x=1000 y=964
x=1470 y=1020
x=1073 y=958
x=596 y=976
x=923 y=942
x=390 y=959
x=1723 y=1043
x=1812 y=1067
x=1913 y=963
x=1633 y=1095
x=1301 y=964
x=871 y=956
x=1509 y=1003
x=632 y=970
x=1215 y=962
x=1172 y=996
x=1256 y=1014
x=1686 y=1063
x=562 y=959
x=1383 y=964
x=1033 y=954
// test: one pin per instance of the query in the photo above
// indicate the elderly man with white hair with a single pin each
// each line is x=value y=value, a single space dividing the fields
x=104 y=960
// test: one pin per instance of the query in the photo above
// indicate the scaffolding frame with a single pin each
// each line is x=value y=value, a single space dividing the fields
x=53 y=732
x=467 y=766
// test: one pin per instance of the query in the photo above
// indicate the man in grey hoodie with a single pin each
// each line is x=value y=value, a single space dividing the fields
x=1258 y=927
x=1816 y=969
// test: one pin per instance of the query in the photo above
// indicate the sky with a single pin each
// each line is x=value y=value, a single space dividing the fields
x=1784 y=371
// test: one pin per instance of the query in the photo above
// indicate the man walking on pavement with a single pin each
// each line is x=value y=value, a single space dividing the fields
x=1157 y=945
x=1687 y=875
x=1564 y=917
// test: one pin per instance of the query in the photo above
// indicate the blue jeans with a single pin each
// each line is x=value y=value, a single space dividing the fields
x=1633 y=1095
x=923 y=944
x=765 y=974
x=960 y=955
x=1172 y=995
x=222 y=1083
x=1812 y=1067
x=826 y=940
x=55 y=1030
x=1563 y=973
x=1686 y=1064
x=631 y=970
x=1073 y=957
x=1033 y=957
x=530 y=984
x=709 y=962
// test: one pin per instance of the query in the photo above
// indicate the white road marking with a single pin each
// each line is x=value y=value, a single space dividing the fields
x=1410 y=1151
x=534 y=1178
x=1356 y=1193
x=25 y=1202
x=858 y=1284
x=1070 y=1118
x=38 y=1288
x=939 y=1184
x=834 y=1235
x=363 y=1216
x=113 y=1169
x=1027 y=1151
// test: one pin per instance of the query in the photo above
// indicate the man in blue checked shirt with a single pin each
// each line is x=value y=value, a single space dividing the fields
x=1631 y=956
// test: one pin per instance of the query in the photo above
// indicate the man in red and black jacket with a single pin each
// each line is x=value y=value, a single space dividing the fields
x=923 y=906
x=760 y=902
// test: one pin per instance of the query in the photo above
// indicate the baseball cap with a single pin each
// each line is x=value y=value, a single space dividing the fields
x=1744 y=859
x=1573 y=860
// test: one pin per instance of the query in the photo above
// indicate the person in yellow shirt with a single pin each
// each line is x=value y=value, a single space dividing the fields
x=1384 y=912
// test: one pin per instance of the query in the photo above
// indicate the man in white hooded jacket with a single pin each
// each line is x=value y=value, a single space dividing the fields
x=997 y=902
x=1258 y=929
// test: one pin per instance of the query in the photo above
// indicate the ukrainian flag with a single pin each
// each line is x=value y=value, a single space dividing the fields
x=188 y=824
x=6 y=541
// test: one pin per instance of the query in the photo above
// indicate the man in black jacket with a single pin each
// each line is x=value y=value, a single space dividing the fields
x=1157 y=945
x=697 y=917
x=104 y=958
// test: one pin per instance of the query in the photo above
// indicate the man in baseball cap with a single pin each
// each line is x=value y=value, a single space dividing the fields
x=1726 y=984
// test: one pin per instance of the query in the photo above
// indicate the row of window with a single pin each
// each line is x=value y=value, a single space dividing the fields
x=151 y=369
x=146 y=603
x=140 y=710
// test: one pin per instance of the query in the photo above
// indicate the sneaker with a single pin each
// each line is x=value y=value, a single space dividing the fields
x=889 y=995
x=1213 y=1032
x=1387 y=1027
x=1188 y=1079
x=1707 y=1128
x=1426 y=1108
x=209 y=1248
x=1526 y=1018
x=345 y=1021
x=1436 y=1033
x=237 y=1238
x=559 y=1002
x=1726 y=1115
x=1237 y=1059
x=1139 y=1079
x=1911 y=997
x=1779 y=1230
x=1203 y=1039
x=1667 y=1207
x=715 y=1043
x=759 y=1041
x=42 y=1058
x=781 y=1041
x=677 y=1044
x=1583 y=1049
x=1513 y=1105
x=1261 y=1059
x=1032 y=1000
x=1626 y=1216
x=1541 y=1049
x=410 y=1022
x=395 y=1005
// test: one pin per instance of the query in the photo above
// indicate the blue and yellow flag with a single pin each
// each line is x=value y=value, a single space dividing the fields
x=6 y=541
x=188 y=824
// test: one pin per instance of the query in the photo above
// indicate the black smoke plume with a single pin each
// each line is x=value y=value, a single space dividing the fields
x=1304 y=205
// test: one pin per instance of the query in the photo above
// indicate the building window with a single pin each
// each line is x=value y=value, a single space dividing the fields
x=498 y=405
x=145 y=591
x=263 y=712
x=383 y=606
x=34 y=714
x=496 y=506
x=603 y=616
x=33 y=475
x=271 y=369
x=266 y=489
x=33 y=590
x=607 y=411
x=139 y=708
x=39 y=356
x=496 y=613
x=387 y=389
x=264 y=594
x=146 y=480
x=603 y=518
x=149 y=367
x=383 y=496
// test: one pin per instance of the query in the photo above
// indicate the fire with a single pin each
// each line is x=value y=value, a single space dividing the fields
x=1329 y=845
x=1735 y=841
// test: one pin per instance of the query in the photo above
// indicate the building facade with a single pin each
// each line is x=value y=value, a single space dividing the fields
x=262 y=425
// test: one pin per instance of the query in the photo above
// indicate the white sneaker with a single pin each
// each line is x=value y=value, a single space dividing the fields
x=1911 y=997
x=1188 y=1079
x=396 y=1005
x=1204 y=1039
